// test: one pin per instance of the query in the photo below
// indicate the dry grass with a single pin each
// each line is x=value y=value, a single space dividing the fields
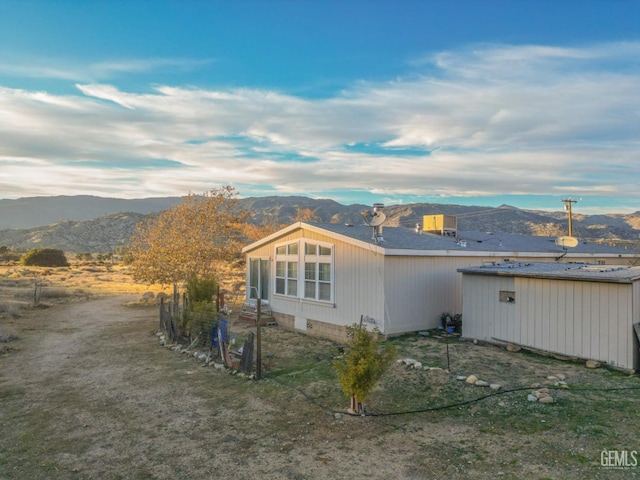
x=79 y=281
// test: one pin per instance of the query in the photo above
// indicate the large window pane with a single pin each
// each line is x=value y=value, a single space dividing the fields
x=293 y=249
x=325 y=291
x=264 y=279
x=292 y=270
x=280 y=286
x=254 y=277
x=324 y=272
x=310 y=271
x=292 y=288
x=280 y=269
x=309 y=289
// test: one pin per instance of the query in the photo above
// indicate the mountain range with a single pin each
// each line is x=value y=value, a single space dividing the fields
x=99 y=225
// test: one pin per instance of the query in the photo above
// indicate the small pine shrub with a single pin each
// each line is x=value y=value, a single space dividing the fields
x=201 y=290
x=44 y=257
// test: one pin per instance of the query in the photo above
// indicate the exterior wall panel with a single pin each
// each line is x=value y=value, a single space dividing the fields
x=581 y=319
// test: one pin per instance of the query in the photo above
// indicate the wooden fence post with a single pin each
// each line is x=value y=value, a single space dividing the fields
x=258 y=340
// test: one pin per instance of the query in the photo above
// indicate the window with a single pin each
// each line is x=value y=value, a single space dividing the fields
x=315 y=280
x=507 y=297
x=287 y=270
x=318 y=272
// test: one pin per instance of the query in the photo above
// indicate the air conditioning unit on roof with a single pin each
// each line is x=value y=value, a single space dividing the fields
x=440 y=224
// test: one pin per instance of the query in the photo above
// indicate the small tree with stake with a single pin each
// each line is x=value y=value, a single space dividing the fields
x=362 y=364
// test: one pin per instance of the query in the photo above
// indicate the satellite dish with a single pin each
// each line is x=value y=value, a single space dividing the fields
x=376 y=219
x=566 y=242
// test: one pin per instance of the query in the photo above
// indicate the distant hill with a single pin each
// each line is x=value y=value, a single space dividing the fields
x=110 y=228
x=99 y=235
x=37 y=211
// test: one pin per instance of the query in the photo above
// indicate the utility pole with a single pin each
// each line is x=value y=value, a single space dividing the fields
x=567 y=206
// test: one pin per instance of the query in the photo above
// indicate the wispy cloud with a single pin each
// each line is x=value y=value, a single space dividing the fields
x=528 y=120
x=68 y=69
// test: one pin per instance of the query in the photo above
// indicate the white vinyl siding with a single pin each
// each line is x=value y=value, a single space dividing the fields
x=580 y=319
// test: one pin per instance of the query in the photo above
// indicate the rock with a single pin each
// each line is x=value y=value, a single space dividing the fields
x=495 y=387
x=481 y=383
x=547 y=399
x=337 y=416
x=552 y=377
x=219 y=366
x=543 y=390
x=435 y=369
x=461 y=377
x=148 y=296
x=417 y=366
x=535 y=385
x=409 y=361
x=593 y=364
x=423 y=333
x=561 y=376
x=513 y=348
x=475 y=341
x=472 y=379
x=532 y=398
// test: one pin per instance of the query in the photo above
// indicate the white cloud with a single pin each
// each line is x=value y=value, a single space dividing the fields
x=495 y=119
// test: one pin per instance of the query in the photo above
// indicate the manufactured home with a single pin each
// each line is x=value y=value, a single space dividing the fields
x=323 y=277
x=582 y=311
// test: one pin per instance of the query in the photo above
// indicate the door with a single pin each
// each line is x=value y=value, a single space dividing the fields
x=259 y=278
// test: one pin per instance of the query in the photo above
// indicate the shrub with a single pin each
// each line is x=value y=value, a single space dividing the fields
x=44 y=257
x=362 y=364
x=8 y=255
x=201 y=290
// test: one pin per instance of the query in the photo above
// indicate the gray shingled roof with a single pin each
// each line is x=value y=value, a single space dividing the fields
x=406 y=238
x=558 y=271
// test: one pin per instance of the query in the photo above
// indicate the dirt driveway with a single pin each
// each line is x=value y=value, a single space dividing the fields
x=89 y=394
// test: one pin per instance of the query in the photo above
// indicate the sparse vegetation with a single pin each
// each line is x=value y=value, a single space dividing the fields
x=44 y=257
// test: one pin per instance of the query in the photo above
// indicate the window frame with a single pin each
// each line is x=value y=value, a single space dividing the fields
x=308 y=252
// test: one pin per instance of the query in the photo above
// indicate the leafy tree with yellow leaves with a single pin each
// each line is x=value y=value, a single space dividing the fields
x=192 y=239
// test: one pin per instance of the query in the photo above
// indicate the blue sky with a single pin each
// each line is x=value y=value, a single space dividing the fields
x=467 y=102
